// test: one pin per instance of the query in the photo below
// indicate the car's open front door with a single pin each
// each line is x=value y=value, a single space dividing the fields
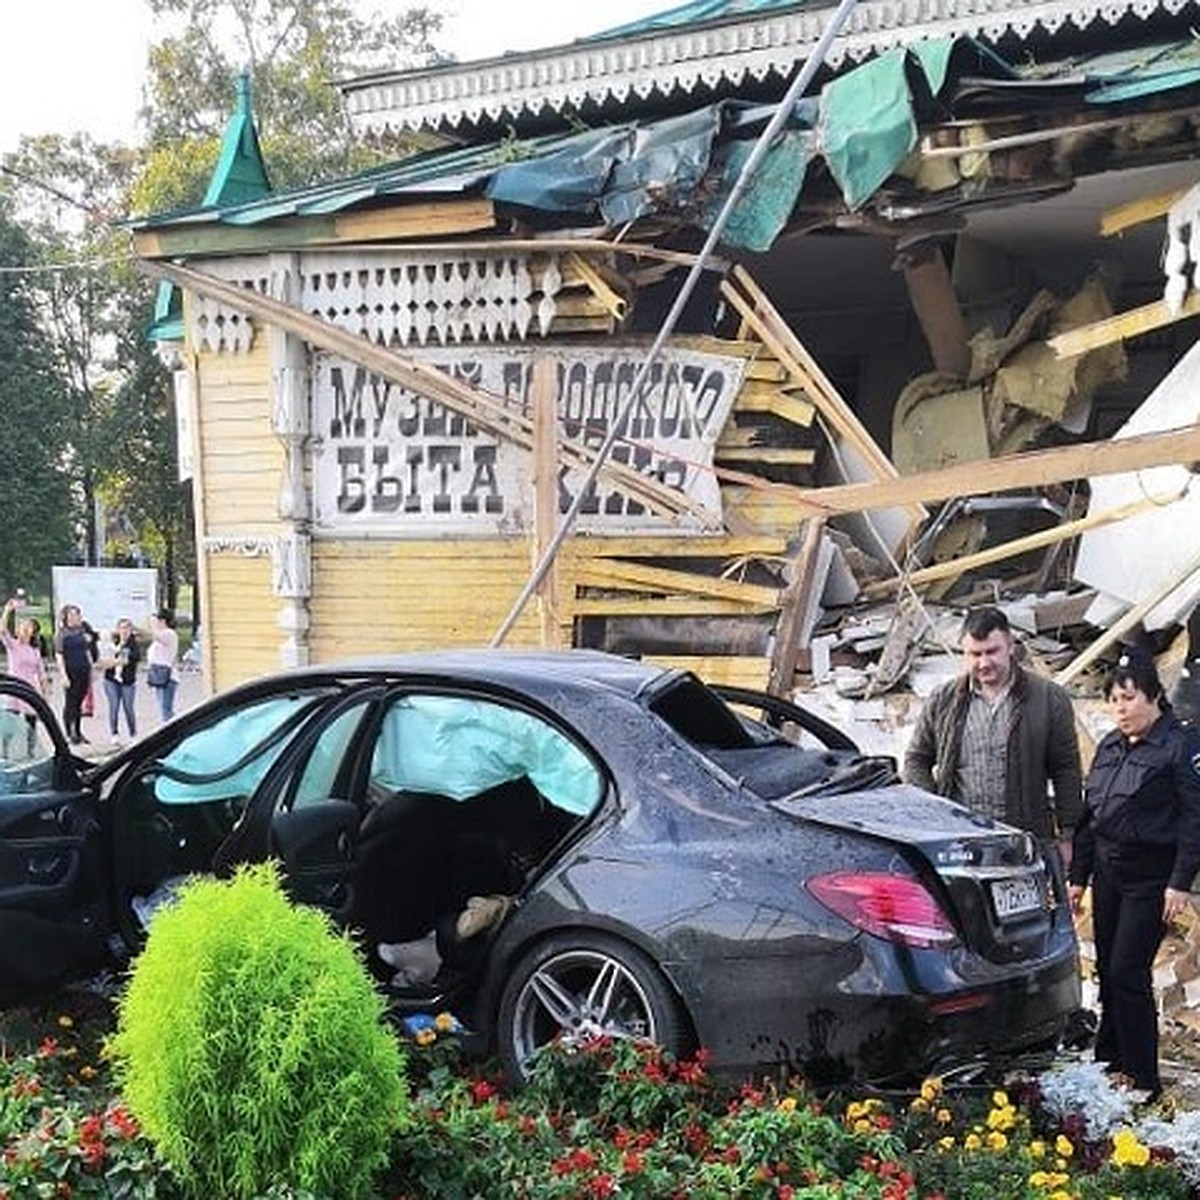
x=53 y=914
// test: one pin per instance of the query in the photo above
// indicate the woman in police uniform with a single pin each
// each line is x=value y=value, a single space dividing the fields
x=1138 y=845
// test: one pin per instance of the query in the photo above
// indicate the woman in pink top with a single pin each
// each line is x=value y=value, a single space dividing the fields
x=25 y=662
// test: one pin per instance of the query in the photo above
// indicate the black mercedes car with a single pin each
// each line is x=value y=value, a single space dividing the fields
x=558 y=845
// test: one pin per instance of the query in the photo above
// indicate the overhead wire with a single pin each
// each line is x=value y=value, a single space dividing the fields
x=783 y=112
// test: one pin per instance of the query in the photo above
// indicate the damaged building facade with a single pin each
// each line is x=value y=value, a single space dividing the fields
x=937 y=301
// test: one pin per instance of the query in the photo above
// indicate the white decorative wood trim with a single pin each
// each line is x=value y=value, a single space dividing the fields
x=290 y=554
x=249 y=546
x=565 y=78
x=393 y=297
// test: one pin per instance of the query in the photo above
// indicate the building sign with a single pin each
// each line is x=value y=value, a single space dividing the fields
x=387 y=460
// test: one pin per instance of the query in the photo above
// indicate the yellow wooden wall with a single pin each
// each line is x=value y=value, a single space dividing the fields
x=374 y=596
x=240 y=460
x=238 y=463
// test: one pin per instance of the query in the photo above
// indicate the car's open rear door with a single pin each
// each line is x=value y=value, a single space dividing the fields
x=53 y=912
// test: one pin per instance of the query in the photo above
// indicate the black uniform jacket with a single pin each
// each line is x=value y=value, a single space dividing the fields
x=1142 y=807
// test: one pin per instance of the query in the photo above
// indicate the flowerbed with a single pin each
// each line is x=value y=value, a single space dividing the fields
x=620 y=1119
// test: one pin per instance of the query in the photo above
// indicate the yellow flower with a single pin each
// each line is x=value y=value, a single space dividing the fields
x=1128 y=1151
x=999 y=1099
x=997 y=1141
x=919 y=1104
x=931 y=1089
x=444 y=1022
x=943 y=1116
x=1037 y=1148
x=862 y=1125
x=426 y=1037
x=972 y=1141
x=787 y=1104
x=1060 y=1195
x=1063 y=1147
x=66 y=1022
x=1048 y=1179
x=1004 y=1117
x=87 y=1072
x=946 y=1143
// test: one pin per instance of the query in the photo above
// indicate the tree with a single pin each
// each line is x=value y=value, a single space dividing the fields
x=68 y=192
x=34 y=489
x=292 y=50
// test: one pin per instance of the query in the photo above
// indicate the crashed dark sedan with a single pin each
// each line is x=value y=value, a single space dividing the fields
x=639 y=855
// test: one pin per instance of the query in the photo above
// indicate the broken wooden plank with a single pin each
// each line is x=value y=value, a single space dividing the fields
x=1128 y=324
x=487 y=411
x=1020 y=545
x=791 y=633
x=778 y=336
x=664 y=606
x=600 y=287
x=1128 y=620
x=1134 y=212
x=543 y=395
x=797 y=456
x=1034 y=468
x=636 y=576
x=759 y=395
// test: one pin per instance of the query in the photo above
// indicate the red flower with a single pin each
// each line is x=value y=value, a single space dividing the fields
x=632 y=1163
x=602 y=1185
x=48 y=1048
x=482 y=1090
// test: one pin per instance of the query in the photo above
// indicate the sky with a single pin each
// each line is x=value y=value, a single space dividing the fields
x=77 y=65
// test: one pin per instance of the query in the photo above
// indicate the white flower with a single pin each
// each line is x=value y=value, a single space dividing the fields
x=1084 y=1090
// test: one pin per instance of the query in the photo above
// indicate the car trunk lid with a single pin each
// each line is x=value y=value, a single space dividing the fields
x=994 y=882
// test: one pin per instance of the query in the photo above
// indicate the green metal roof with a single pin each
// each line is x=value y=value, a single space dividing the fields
x=699 y=11
x=240 y=174
x=684 y=165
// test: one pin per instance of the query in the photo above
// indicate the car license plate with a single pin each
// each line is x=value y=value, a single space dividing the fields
x=1012 y=897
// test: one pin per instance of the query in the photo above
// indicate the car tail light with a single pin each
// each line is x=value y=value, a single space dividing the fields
x=896 y=907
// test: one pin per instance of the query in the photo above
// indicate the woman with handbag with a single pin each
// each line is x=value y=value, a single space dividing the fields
x=162 y=672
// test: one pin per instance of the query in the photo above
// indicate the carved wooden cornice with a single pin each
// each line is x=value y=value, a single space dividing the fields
x=701 y=57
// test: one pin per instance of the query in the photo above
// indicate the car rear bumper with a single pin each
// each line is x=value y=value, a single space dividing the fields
x=756 y=1017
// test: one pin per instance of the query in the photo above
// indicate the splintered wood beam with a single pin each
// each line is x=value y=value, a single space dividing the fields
x=636 y=577
x=755 y=545
x=599 y=287
x=1033 y=541
x=1034 y=468
x=1134 y=212
x=798 y=598
x=760 y=395
x=665 y=606
x=543 y=398
x=1129 y=324
x=760 y=315
x=488 y=411
x=788 y=456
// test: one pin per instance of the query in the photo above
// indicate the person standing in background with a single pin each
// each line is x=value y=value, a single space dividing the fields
x=19 y=637
x=120 y=679
x=163 y=661
x=999 y=738
x=75 y=650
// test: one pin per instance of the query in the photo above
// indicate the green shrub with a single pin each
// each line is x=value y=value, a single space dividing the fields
x=250 y=1045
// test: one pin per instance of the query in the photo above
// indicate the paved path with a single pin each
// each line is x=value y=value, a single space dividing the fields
x=95 y=728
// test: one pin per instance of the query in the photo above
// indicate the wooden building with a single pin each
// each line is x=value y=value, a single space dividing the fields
x=395 y=386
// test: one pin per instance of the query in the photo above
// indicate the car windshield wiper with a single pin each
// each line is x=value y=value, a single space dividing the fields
x=859 y=774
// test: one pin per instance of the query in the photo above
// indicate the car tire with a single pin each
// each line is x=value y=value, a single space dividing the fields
x=578 y=986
